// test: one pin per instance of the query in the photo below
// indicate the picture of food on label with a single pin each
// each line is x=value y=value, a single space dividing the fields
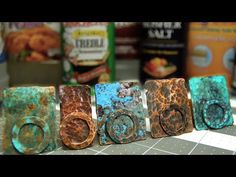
x=36 y=43
x=159 y=67
x=103 y=78
x=201 y=56
x=86 y=45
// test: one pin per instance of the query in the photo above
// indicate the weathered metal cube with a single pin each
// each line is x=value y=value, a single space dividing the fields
x=30 y=120
x=168 y=107
x=77 y=128
x=120 y=113
x=211 y=103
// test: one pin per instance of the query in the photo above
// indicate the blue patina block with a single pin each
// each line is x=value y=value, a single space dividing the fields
x=120 y=113
x=30 y=120
x=210 y=102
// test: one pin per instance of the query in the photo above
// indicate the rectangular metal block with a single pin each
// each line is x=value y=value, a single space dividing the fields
x=168 y=107
x=211 y=103
x=77 y=128
x=30 y=120
x=120 y=113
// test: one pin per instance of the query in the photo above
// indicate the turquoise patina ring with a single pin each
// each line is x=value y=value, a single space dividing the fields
x=168 y=126
x=121 y=138
x=208 y=114
x=35 y=121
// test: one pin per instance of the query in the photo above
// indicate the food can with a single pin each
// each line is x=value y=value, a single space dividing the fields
x=89 y=52
x=163 y=50
x=33 y=41
x=211 y=49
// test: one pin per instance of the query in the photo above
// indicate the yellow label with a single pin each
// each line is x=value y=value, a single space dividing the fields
x=88 y=33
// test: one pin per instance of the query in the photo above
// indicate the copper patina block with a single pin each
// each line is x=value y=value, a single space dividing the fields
x=168 y=107
x=77 y=129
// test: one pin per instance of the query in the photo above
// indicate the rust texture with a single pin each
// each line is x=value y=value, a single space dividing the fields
x=77 y=129
x=168 y=107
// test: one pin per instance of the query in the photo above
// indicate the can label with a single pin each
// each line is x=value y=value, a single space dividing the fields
x=163 y=47
x=33 y=41
x=211 y=49
x=89 y=51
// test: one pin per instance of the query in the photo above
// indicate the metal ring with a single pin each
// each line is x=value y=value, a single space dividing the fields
x=112 y=117
x=166 y=127
x=35 y=121
x=89 y=122
x=213 y=124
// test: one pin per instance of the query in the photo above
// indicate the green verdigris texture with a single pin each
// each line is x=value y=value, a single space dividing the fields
x=30 y=120
x=211 y=103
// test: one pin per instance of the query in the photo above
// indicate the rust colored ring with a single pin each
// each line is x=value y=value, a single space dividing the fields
x=90 y=123
x=165 y=126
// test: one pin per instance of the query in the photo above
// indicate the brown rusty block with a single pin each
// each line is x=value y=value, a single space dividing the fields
x=168 y=107
x=77 y=129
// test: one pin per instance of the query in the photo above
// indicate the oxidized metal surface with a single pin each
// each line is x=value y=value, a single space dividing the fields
x=30 y=126
x=211 y=103
x=168 y=107
x=77 y=129
x=120 y=113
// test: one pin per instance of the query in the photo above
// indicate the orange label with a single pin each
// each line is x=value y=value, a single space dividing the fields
x=211 y=49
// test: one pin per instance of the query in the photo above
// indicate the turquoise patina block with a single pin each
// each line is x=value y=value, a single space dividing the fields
x=210 y=102
x=30 y=120
x=120 y=113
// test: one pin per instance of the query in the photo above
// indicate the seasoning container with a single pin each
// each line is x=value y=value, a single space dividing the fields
x=211 y=49
x=33 y=41
x=89 y=52
x=163 y=50
x=34 y=53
